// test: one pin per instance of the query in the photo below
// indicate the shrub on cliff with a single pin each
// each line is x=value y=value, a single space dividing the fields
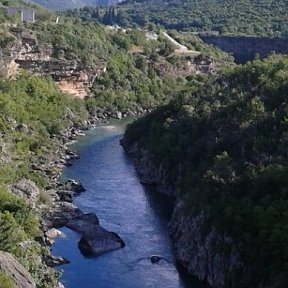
x=5 y=281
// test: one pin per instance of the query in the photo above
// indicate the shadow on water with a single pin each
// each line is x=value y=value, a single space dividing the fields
x=162 y=206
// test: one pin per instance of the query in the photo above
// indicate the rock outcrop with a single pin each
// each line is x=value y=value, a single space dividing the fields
x=72 y=76
x=53 y=261
x=15 y=271
x=51 y=235
x=74 y=186
x=61 y=214
x=95 y=239
x=99 y=241
x=27 y=190
x=205 y=252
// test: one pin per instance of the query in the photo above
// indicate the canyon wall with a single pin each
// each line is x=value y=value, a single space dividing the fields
x=72 y=76
x=245 y=48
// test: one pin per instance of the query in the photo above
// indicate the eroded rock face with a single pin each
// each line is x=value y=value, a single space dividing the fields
x=245 y=48
x=15 y=271
x=27 y=190
x=72 y=76
x=195 y=247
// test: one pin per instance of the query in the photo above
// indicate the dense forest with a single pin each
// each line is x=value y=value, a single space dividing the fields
x=230 y=140
x=239 y=17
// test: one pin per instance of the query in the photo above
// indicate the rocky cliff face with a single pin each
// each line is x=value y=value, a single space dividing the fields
x=72 y=76
x=245 y=48
x=15 y=271
x=206 y=253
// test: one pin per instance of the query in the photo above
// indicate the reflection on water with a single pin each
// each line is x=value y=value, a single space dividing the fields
x=124 y=206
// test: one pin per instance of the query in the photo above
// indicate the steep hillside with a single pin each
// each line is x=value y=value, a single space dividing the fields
x=33 y=118
x=224 y=149
x=119 y=70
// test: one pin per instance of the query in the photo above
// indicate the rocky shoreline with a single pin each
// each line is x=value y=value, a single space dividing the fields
x=56 y=209
x=95 y=240
x=195 y=240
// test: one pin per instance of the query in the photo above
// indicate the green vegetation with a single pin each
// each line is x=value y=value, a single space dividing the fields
x=36 y=105
x=32 y=110
x=230 y=140
x=228 y=134
x=248 y=17
x=5 y=281
x=134 y=76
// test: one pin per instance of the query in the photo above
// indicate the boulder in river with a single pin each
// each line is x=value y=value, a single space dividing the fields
x=99 y=241
x=155 y=259
x=83 y=223
x=95 y=239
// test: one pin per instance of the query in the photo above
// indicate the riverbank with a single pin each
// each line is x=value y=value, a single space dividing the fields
x=60 y=209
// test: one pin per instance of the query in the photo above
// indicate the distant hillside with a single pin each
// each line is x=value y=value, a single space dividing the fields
x=69 y=4
x=262 y=17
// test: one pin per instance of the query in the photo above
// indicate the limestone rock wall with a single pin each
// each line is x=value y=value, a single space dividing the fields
x=244 y=48
x=206 y=253
x=15 y=271
x=72 y=76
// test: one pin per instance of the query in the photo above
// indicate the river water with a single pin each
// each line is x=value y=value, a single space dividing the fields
x=123 y=205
